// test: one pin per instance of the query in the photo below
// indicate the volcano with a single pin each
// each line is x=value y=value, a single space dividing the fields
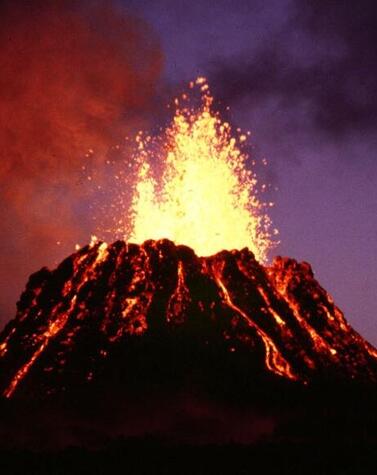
x=150 y=358
x=127 y=314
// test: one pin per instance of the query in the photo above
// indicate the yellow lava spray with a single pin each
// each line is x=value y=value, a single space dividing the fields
x=205 y=197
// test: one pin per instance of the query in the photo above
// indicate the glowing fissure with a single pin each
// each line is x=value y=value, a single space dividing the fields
x=180 y=298
x=137 y=313
x=21 y=373
x=277 y=317
x=115 y=293
x=206 y=197
x=110 y=297
x=282 y=283
x=134 y=309
x=57 y=324
x=275 y=362
x=286 y=332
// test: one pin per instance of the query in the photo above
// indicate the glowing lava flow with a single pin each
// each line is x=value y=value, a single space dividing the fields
x=275 y=362
x=206 y=197
x=179 y=299
x=126 y=303
x=107 y=296
x=58 y=319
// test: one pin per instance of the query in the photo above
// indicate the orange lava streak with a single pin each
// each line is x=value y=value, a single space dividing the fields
x=24 y=370
x=273 y=359
x=110 y=296
x=277 y=317
x=282 y=289
x=371 y=350
x=135 y=308
x=55 y=327
x=4 y=344
x=59 y=323
x=180 y=298
x=206 y=197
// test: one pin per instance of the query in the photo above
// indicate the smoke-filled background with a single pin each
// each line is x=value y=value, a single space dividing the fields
x=75 y=77
x=300 y=74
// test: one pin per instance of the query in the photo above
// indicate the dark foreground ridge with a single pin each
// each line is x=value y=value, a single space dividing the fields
x=150 y=340
x=135 y=457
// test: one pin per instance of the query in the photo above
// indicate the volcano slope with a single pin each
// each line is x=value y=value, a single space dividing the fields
x=127 y=339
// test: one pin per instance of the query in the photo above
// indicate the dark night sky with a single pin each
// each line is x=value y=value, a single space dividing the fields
x=300 y=75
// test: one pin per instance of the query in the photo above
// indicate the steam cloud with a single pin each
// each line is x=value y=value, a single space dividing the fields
x=74 y=76
x=322 y=62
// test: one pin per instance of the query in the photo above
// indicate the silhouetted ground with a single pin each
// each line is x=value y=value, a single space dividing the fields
x=154 y=457
x=317 y=430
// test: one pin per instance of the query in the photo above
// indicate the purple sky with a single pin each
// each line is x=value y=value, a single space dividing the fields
x=300 y=75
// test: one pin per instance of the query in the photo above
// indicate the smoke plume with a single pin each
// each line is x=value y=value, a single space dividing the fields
x=75 y=77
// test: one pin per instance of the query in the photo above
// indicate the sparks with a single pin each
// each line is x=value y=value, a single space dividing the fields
x=206 y=196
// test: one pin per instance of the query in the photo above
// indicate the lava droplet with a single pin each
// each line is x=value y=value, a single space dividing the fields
x=206 y=197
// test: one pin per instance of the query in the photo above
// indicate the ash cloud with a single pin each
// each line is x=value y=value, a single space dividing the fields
x=74 y=76
x=322 y=60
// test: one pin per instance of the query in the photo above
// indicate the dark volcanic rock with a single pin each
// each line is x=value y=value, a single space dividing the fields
x=141 y=316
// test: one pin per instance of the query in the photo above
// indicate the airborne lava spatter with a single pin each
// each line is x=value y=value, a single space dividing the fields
x=206 y=198
x=109 y=298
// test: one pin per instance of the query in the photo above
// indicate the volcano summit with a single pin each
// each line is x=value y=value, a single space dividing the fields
x=125 y=311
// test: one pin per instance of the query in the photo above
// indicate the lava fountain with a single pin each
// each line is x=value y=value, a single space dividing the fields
x=187 y=290
x=206 y=197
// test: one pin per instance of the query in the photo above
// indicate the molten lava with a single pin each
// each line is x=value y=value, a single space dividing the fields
x=107 y=309
x=206 y=198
